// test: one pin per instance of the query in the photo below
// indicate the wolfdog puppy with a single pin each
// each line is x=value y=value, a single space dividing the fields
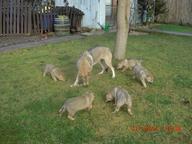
x=128 y=64
x=142 y=74
x=75 y=104
x=84 y=66
x=121 y=97
x=55 y=72
x=103 y=56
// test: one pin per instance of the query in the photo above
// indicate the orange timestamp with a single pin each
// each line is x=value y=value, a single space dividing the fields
x=153 y=128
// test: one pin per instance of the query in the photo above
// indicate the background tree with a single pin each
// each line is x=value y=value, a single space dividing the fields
x=123 y=13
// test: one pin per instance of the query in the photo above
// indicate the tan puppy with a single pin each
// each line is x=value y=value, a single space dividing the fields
x=84 y=66
x=55 y=72
x=75 y=104
x=128 y=64
x=103 y=56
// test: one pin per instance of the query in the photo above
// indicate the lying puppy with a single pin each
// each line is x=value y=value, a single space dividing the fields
x=142 y=74
x=84 y=66
x=103 y=56
x=55 y=72
x=121 y=97
x=128 y=64
x=75 y=104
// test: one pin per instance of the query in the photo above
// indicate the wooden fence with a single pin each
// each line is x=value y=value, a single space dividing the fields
x=179 y=12
x=21 y=17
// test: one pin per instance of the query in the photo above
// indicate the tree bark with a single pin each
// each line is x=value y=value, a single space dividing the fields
x=123 y=13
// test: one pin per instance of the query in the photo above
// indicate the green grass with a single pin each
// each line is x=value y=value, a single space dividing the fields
x=173 y=28
x=29 y=103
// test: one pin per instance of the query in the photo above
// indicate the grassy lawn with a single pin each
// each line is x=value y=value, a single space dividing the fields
x=173 y=27
x=29 y=103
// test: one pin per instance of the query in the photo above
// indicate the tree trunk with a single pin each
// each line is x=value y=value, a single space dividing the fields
x=123 y=13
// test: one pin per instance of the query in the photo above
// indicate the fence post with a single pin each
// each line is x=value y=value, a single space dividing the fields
x=4 y=20
x=14 y=16
x=38 y=22
x=41 y=20
x=22 y=14
x=8 y=18
x=18 y=16
x=52 y=18
x=1 y=17
x=25 y=21
x=34 y=22
x=29 y=18
x=11 y=17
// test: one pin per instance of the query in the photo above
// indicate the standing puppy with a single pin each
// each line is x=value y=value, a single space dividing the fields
x=84 y=66
x=55 y=72
x=76 y=104
x=102 y=54
x=142 y=74
x=121 y=97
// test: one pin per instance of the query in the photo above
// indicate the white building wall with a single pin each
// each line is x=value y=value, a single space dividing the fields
x=59 y=3
x=94 y=11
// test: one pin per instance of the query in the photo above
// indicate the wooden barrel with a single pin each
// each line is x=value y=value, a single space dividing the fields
x=62 y=25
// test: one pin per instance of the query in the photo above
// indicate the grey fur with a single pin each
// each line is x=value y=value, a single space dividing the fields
x=121 y=97
x=75 y=104
x=55 y=72
x=142 y=74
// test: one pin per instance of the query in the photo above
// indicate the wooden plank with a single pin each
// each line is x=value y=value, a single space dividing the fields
x=7 y=18
x=46 y=19
x=38 y=22
x=14 y=16
x=11 y=17
x=25 y=21
x=22 y=15
x=18 y=16
x=52 y=19
x=1 y=18
x=4 y=17
x=41 y=20
x=34 y=22
x=29 y=17
x=49 y=21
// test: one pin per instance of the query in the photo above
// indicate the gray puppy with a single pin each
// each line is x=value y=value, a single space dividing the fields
x=121 y=97
x=55 y=72
x=142 y=74
x=75 y=104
